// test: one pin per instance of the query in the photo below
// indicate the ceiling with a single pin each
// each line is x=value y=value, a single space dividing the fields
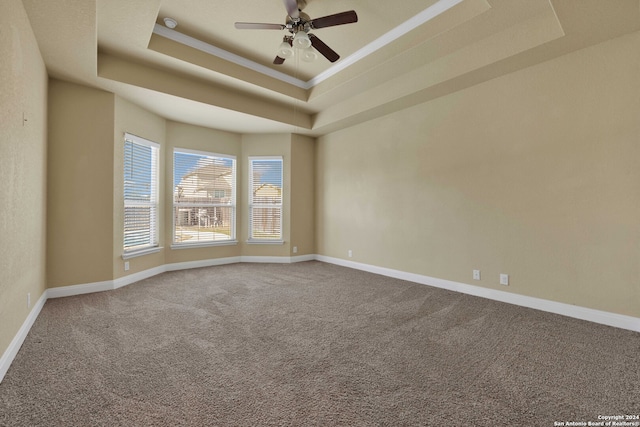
x=208 y=73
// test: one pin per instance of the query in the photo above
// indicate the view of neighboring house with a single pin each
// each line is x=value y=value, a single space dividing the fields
x=266 y=212
x=267 y=193
x=203 y=196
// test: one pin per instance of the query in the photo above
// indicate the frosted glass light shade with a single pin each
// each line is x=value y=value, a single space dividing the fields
x=285 y=50
x=309 y=55
x=301 y=40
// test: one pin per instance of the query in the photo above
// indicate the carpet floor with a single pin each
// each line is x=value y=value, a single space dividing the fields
x=312 y=344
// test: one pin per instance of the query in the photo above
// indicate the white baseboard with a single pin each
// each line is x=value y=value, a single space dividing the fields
x=136 y=277
x=266 y=259
x=202 y=263
x=303 y=258
x=591 y=315
x=108 y=285
x=86 y=288
x=277 y=259
x=11 y=352
x=583 y=313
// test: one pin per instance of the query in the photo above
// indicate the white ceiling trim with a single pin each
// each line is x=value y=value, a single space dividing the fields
x=425 y=16
x=226 y=55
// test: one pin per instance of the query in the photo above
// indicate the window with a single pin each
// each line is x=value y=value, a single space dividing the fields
x=204 y=198
x=265 y=199
x=140 y=194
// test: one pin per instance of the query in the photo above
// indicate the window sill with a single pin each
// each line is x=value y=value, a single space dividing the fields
x=265 y=242
x=141 y=252
x=203 y=244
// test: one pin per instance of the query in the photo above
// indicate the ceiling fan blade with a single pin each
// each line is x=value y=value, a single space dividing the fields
x=337 y=19
x=258 y=26
x=325 y=50
x=292 y=8
x=278 y=60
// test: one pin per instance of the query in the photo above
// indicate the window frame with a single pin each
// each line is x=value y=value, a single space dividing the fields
x=154 y=199
x=234 y=205
x=250 y=205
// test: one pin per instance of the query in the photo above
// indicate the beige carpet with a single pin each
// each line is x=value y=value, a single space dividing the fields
x=311 y=344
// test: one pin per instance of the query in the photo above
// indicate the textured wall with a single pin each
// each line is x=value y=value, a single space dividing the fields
x=302 y=195
x=23 y=149
x=534 y=174
x=80 y=185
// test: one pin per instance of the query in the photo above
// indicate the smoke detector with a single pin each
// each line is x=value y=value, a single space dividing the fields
x=170 y=23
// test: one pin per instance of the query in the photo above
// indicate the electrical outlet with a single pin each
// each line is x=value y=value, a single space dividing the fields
x=504 y=279
x=126 y=266
x=350 y=253
x=476 y=274
x=29 y=300
x=295 y=249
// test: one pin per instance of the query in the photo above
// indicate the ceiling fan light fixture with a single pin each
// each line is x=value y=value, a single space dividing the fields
x=309 y=55
x=297 y=24
x=285 y=50
x=301 y=40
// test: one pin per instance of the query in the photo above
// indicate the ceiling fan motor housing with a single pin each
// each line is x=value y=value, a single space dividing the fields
x=303 y=23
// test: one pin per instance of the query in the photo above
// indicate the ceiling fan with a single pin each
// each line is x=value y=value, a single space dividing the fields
x=299 y=24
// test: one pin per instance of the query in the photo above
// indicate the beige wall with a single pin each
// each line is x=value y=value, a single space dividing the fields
x=302 y=195
x=534 y=174
x=86 y=178
x=80 y=185
x=130 y=118
x=23 y=148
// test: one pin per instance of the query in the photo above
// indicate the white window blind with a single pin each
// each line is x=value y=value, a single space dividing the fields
x=204 y=198
x=140 y=193
x=265 y=198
